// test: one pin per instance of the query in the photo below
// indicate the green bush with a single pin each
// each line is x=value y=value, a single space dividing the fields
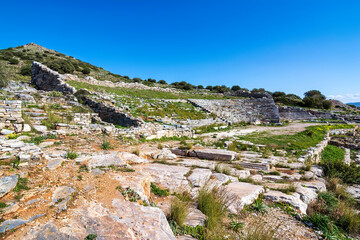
x=25 y=70
x=55 y=94
x=13 y=61
x=158 y=191
x=86 y=71
x=106 y=145
x=71 y=154
x=61 y=66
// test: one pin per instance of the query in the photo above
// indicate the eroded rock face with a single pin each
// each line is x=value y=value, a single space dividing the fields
x=276 y=196
x=126 y=220
x=167 y=176
x=241 y=194
x=7 y=184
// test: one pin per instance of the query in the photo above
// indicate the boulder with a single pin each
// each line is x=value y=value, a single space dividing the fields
x=199 y=176
x=165 y=154
x=7 y=184
x=213 y=154
x=276 y=196
x=240 y=194
x=105 y=160
x=6 y=131
x=195 y=218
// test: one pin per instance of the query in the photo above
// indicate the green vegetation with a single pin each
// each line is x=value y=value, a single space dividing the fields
x=21 y=185
x=258 y=205
x=129 y=194
x=213 y=204
x=106 y=145
x=179 y=210
x=258 y=230
x=158 y=191
x=312 y=99
x=71 y=154
x=143 y=93
x=294 y=143
x=91 y=236
x=332 y=160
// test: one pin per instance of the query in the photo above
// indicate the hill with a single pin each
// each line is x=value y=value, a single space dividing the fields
x=354 y=103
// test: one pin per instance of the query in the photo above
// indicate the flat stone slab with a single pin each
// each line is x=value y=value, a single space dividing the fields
x=198 y=163
x=13 y=223
x=241 y=194
x=53 y=164
x=105 y=160
x=195 y=218
x=165 y=154
x=167 y=176
x=6 y=131
x=199 y=176
x=213 y=154
x=130 y=158
x=319 y=186
x=7 y=184
x=61 y=196
x=40 y=128
x=125 y=220
x=276 y=196
x=354 y=191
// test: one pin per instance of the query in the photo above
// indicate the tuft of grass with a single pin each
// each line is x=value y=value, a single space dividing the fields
x=179 y=210
x=257 y=230
x=213 y=203
x=258 y=205
x=71 y=154
x=129 y=194
x=158 y=191
x=106 y=145
x=91 y=236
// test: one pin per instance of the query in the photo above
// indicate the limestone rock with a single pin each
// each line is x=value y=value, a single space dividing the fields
x=7 y=184
x=130 y=158
x=199 y=177
x=195 y=218
x=105 y=160
x=276 y=196
x=241 y=194
x=6 y=131
x=165 y=154
x=213 y=154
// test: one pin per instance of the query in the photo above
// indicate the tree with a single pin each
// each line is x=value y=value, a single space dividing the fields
x=162 y=82
x=235 y=88
x=209 y=88
x=13 y=61
x=136 y=79
x=200 y=87
x=62 y=66
x=3 y=78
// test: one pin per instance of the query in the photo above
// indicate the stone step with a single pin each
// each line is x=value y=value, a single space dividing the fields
x=253 y=165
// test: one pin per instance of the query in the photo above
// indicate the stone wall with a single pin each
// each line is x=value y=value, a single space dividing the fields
x=46 y=79
x=296 y=113
x=253 y=110
x=248 y=94
x=109 y=113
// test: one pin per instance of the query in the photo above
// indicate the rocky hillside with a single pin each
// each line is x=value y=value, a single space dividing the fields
x=87 y=158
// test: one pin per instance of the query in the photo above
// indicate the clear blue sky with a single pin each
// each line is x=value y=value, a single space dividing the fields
x=287 y=45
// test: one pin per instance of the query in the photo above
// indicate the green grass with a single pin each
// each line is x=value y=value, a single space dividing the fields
x=21 y=185
x=143 y=93
x=332 y=160
x=213 y=204
x=158 y=191
x=71 y=155
x=179 y=210
x=297 y=142
x=106 y=145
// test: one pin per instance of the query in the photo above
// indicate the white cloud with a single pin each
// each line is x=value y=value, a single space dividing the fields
x=351 y=97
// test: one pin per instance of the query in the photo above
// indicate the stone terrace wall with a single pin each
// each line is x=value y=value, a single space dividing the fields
x=110 y=113
x=238 y=110
x=10 y=111
x=46 y=79
x=296 y=113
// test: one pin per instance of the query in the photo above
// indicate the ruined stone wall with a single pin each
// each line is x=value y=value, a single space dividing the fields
x=46 y=79
x=248 y=94
x=110 y=113
x=10 y=111
x=241 y=110
x=296 y=113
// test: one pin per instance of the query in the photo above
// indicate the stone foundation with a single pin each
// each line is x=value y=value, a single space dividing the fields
x=253 y=110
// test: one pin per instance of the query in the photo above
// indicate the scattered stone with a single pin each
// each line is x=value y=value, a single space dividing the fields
x=195 y=218
x=276 y=196
x=6 y=131
x=199 y=177
x=7 y=184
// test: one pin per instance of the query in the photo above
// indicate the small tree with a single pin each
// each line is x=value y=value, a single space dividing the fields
x=85 y=70
x=162 y=82
x=235 y=88
x=13 y=61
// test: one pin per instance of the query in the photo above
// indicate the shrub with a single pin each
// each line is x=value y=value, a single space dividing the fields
x=85 y=70
x=162 y=82
x=13 y=61
x=106 y=145
x=61 y=66
x=25 y=70
x=136 y=152
x=179 y=210
x=21 y=185
x=55 y=94
x=91 y=236
x=71 y=154
x=158 y=191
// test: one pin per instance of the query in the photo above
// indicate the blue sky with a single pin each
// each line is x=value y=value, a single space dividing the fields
x=291 y=46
